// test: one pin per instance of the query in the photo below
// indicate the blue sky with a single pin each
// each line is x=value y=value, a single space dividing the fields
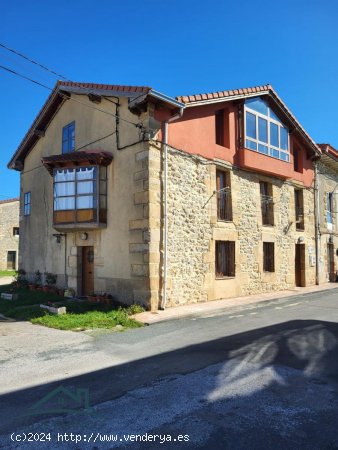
x=176 y=47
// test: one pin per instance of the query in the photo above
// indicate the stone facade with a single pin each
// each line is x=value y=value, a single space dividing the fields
x=328 y=234
x=194 y=229
x=9 y=238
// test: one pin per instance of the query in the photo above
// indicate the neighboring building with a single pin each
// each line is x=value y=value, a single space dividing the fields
x=120 y=194
x=9 y=234
x=327 y=200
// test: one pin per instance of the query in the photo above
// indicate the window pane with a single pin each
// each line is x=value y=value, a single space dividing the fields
x=263 y=149
x=64 y=175
x=274 y=135
x=85 y=202
x=284 y=156
x=251 y=145
x=262 y=130
x=85 y=187
x=85 y=173
x=274 y=153
x=273 y=115
x=64 y=203
x=250 y=125
x=257 y=104
x=72 y=136
x=64 y=189
x=283 y=138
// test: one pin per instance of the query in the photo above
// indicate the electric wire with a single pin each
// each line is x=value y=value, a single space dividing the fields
x=32 y=61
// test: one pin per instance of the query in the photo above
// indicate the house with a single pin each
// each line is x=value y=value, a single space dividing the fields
x=9 y=234
x=327 y=218
x=165 y=201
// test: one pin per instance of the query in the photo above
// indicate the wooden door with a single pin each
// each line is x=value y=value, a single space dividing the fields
x=300 y=265
x=87 y=270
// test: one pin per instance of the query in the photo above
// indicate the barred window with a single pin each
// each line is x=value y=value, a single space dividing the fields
x=225 y=259
x=268 y=256
x=224 y=206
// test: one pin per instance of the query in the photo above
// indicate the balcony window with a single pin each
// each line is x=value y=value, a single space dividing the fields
x=299 y=209
x=266 y=203
x=264 y=132
x=80 y=195
x=224 y=207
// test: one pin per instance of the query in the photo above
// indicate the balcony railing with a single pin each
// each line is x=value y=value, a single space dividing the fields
x=224 y=206
x=267 y=210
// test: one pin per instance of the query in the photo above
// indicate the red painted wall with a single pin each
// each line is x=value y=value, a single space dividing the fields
x=195 y=133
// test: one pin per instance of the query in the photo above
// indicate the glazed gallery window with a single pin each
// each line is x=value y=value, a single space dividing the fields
x=225 y=259
x=27 y=204
x=264 y=131
x=74 y=188
x=80 y=194
x=68 y=138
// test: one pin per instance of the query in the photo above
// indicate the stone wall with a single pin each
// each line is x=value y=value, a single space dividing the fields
x=9 y=218
x=327 y=182
x=194 y=229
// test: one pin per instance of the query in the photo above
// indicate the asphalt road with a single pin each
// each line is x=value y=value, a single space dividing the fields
x=258 y=377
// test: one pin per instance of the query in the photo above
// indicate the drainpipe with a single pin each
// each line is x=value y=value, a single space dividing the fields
x=165 y=208
x=317 y=221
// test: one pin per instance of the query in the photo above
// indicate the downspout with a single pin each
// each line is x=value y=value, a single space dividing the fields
x=317 y=221
x=165 y=207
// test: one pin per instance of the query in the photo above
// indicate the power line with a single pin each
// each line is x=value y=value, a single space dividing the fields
x=138 y=125
x=32 y=61
x=24 y=77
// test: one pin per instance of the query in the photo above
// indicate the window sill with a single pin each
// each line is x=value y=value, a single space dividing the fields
x=225 y=278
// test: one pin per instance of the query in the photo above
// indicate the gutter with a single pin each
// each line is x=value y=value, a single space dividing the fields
x=165 y=206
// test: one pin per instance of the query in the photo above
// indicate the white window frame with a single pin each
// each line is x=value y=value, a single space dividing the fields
x=266 y=144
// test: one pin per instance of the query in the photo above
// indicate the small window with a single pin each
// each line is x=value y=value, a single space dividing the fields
x=225 y=259
x=224 y=207
x=27 y=204
x=11 y=260
x=222 y=127
x=68 y=138
x=299 y=209
x=329 y=207
x=268 y=256
x=297 y=164
x=15 y=231
x=266 y=203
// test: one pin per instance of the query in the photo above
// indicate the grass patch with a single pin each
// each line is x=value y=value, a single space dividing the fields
x=88 y=320
x=7 y=273
x=80 y=315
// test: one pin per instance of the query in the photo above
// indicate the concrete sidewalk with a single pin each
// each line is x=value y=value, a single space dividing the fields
x=212 y=307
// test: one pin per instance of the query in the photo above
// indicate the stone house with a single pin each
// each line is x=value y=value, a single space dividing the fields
x=165 y=201
x=9 y=234
x=327 y=217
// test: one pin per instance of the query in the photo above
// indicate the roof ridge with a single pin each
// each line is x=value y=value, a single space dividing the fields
x=226 y=93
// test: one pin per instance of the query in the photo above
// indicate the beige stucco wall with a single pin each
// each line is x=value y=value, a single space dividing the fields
x=115 y=265
x=194 y=229
x=327 y=182
x=9 y=218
